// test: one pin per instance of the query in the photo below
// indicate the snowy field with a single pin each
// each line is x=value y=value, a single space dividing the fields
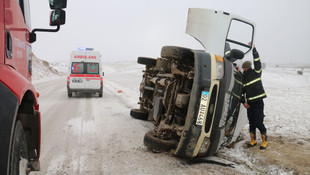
x=111 y=142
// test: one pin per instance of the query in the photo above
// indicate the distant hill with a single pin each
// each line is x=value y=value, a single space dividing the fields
x=43 y=69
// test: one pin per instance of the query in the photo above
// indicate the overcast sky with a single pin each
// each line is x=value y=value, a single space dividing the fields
x=123 y=30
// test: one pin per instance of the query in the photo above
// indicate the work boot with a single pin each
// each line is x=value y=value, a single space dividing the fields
x=253 y=140
x=264 y=143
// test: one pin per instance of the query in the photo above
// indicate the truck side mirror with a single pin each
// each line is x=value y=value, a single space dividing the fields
x=58 y=4
x=234 y=55
x=103 y=74
x=58 y=17
x=238 y=54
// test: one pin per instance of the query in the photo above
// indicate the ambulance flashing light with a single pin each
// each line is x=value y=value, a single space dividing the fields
x=85 y=48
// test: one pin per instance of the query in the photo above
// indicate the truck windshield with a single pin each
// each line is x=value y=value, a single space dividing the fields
x=84 y=68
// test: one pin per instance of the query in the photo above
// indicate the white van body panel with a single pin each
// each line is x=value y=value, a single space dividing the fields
x=85 y=71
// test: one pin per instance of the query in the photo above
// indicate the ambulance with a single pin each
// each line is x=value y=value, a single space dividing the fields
x=85 y=72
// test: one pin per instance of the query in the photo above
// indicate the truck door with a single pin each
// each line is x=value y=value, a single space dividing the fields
x=92 y=76
x=17 y=25
x=215 y=29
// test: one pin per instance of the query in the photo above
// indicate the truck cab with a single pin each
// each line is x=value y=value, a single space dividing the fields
x=20 y=118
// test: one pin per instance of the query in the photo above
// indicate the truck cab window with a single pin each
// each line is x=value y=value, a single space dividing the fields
x=24 y=6
x=21 y=5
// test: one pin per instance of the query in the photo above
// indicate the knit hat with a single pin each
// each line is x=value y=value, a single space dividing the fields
x=247 y=64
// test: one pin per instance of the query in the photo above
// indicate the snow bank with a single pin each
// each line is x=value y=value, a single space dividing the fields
x=42 y=69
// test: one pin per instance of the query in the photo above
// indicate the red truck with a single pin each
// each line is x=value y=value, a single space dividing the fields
x=20 y=119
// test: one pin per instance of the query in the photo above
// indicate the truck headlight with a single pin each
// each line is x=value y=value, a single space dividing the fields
x=219 y=67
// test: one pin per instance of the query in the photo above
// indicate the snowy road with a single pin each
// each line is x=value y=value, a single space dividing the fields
x=91 y=135
x=69 y=140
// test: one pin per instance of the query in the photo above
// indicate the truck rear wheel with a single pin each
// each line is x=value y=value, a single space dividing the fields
x=100 y=93
x=156 y=144
x=147 y=61
x=19 y=154
x=138 y=114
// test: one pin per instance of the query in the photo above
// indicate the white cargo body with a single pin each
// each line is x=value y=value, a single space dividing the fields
x=85 y=72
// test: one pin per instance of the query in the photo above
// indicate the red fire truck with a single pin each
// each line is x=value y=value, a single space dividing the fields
x=20 y=119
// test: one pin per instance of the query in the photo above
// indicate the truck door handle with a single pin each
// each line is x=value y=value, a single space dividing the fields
x=8 y=44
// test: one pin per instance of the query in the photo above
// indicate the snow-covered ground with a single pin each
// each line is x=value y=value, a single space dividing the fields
x=42 y=69
x=111 y=142
x=287 y=121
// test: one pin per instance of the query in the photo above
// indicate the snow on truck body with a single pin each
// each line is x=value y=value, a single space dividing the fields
x=85 y=72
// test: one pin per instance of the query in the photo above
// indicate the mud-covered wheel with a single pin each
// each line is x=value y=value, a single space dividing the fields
x=19 y=155
x=138 y=114
x=177 y=53
x=100 y=93
x=158 y=145
x=147 y=61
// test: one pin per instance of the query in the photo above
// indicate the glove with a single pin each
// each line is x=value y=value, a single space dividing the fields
x=255 y=53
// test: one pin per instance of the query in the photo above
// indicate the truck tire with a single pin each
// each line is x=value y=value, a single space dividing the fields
x=19 y=151
x=147 y=61
x=177 y=53
x=100 y=94
x=158 y=145
x=69 y=94
x=138 y=114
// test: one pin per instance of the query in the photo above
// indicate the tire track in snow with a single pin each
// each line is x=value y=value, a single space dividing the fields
x=124 y=97
x=83 y=150
x=121 y=136
x=69 y=141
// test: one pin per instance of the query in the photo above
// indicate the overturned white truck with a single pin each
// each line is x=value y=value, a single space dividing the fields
x=193 y=96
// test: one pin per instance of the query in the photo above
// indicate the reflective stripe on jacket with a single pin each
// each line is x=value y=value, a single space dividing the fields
x=252 y=82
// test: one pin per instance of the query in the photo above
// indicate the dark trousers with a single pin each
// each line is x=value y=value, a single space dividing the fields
x=256 y=116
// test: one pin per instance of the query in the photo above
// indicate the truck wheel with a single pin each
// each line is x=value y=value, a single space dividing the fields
x=177 y=53
x=69 y=94
x=156 y=144
x=19 y=154
x=147 y=61
x=100 y=94
x=138 y=114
